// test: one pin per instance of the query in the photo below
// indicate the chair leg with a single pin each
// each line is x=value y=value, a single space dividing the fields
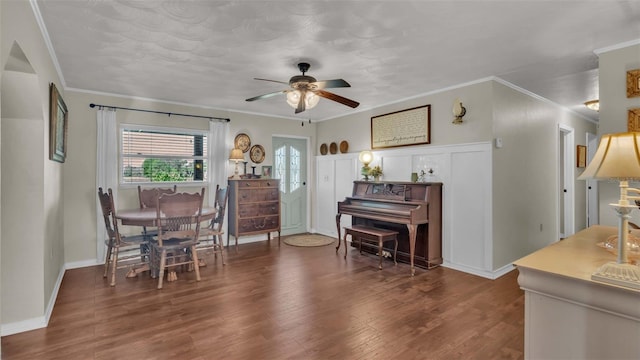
x=107 y=260
x=114 y=266
x=163 y=258
x=196 y=266
x=221 y=248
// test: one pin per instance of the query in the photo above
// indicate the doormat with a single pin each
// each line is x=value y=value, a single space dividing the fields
x=307 y=240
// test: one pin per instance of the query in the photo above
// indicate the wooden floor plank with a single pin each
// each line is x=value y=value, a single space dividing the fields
x=282 y=302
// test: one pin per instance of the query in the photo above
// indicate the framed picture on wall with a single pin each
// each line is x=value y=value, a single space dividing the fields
x=581 y=156
x=633 y=120
x=58 y=119
x=633 y=83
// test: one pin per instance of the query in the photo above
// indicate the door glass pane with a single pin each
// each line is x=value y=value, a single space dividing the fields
x=294 y=170
x=280 y=161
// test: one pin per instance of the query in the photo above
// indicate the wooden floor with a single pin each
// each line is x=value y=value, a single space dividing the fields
x=284 y=302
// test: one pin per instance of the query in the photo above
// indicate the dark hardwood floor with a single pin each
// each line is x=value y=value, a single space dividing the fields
x=284 y=302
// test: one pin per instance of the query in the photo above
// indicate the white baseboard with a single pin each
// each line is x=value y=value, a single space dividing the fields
x=38 y=322
x=488 y=274
x=82 y=263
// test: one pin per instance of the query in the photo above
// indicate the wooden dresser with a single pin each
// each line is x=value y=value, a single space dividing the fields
x=254 y=207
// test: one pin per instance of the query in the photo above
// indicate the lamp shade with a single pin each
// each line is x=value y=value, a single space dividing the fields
x=617 y=157
x=310 y=99
x=365 y=157
x=236 y=155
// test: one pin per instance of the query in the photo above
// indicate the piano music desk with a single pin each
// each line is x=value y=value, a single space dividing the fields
x=378 y=236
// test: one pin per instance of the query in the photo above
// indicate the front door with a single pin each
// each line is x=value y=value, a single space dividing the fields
x=290 y=166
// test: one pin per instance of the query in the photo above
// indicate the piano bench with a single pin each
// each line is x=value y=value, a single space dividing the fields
x=373 y=235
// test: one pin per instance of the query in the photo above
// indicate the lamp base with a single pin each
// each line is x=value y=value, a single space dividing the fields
x=626 y=275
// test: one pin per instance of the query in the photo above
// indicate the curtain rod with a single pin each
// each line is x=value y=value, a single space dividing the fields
x=92 y=105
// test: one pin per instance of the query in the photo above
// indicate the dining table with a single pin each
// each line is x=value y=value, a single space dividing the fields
x=148 y=217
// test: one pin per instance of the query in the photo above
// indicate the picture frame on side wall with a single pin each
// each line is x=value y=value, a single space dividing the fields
x=633 y=83
x=581 y=154
x=633 y=120
x=58 y=124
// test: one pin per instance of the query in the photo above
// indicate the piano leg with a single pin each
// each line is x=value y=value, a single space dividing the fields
x=339 y=234
x=413 y=230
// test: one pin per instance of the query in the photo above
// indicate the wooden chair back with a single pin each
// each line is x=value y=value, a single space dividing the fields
x=149 y=197
x=109 y=214
x=222 y=196
x=178 y=217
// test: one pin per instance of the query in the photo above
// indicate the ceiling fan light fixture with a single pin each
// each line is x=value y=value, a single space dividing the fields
x=310 y=99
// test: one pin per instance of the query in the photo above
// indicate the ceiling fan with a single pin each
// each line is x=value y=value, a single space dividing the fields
x=306 y=91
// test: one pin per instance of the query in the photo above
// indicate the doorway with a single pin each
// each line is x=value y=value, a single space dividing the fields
x=566 y=179
x=592 y=185
x=290 y=166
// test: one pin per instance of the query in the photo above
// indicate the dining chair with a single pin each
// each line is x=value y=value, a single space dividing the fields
x=178 y=219
x=148 y=198
x=211 y=237
x=122 y=251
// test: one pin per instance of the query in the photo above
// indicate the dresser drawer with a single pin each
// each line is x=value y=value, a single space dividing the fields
x=258 y=209
x=257 y=184
x=261 y=194
x=258 y=224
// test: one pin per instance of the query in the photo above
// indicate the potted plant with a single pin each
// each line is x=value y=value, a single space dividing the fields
x=376 y=172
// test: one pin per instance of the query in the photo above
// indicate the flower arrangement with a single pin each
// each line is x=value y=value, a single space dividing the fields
x=375 y=171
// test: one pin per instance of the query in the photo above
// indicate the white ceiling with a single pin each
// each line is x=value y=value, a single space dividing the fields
x=206 y=53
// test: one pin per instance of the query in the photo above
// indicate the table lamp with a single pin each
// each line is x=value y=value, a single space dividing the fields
x=236 y=155
x=365 y=157
x=618 y=158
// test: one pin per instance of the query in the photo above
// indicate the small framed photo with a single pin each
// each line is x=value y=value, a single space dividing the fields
x=633 y=120
x=633 y=83
x=582 y=156
x=58 y=116
x=266 y=171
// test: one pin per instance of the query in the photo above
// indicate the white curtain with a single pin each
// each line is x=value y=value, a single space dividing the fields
x=106 y=167
x=218 y=157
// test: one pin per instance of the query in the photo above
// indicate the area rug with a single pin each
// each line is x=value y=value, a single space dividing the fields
x=307 y=240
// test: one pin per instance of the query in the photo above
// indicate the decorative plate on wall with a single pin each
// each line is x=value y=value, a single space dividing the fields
x=323 y=149
x=257 y=154
x=333 y=148
x=242 y=142
x=344 y=146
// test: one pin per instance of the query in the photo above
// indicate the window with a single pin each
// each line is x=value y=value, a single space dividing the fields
x=150 y=154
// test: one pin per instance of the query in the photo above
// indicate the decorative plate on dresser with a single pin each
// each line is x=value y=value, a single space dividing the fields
x=257 y=154
x=242 y=142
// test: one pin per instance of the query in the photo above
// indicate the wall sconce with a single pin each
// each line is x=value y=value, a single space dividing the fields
x=458 y=111
x=238 y=156
x=365 y=157
x=593 y=105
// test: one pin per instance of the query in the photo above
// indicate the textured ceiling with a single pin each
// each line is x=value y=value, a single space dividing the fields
x=207 y=53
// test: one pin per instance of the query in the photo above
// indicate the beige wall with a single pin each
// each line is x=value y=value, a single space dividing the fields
x=525 y=173
x=32 y=246
x=525 y=170
x=613 y=114
x=477 y=126
x=80 y=168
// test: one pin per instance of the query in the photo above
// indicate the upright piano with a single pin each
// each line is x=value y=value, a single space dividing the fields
x=414 y=210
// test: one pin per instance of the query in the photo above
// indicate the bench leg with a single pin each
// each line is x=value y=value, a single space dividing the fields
x=345 y=244
x=395 y=253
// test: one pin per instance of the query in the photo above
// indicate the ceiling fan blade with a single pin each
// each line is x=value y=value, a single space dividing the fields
x=338 y=98
x=275 y=81
x=301 y=106
x=335 y=83
x=264 y=96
